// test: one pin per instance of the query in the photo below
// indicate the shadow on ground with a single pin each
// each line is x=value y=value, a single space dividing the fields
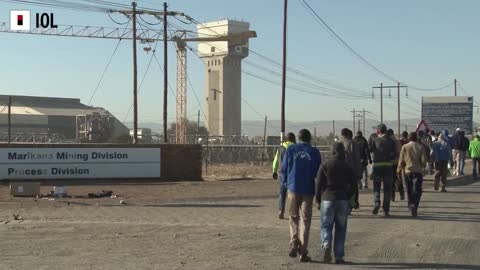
x=415 y=266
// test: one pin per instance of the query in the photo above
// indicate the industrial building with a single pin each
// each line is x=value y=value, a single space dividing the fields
x=223 y=75
x=51 y=119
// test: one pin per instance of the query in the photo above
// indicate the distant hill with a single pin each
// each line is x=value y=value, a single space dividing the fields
x=255 y=128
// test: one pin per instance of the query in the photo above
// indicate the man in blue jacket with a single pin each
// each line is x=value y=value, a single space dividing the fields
x=442 y=153
x=299 y=169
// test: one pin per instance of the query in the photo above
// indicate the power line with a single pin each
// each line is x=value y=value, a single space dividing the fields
x=346 y=90
x=104 y=72
x=352 y=51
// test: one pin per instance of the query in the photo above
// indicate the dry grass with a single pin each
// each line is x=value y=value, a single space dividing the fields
x=237 y=171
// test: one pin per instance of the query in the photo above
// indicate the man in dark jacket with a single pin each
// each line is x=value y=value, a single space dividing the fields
x=384 y=153
x=365 y=158
x=352 y=157
x=299 y=169
x=397 y=178
x=336 y=184
x=277 y=162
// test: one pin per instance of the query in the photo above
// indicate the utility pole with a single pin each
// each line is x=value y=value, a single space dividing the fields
x=455 y=86
x=398 y=108
x=135 y=104
x=157 y=14
x=364 y=130
x=165 y=74
x=381 y=103
x=198 y=127
x=333 y=132
x=353 y=121
x=358 y=114
x=284 y=70
x=398 y=86
x=9 y=119
x=264 y=138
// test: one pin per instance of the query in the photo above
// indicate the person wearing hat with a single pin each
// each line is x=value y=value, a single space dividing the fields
x=384 y=151
x=299 y=170
x=277 y=161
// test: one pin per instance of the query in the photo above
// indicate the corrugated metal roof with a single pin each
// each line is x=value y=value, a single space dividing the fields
x=29 y=105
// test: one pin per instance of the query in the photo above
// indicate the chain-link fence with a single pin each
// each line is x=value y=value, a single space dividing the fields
x=244 y=154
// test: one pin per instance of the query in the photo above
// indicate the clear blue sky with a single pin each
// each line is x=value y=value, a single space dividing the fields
x=422 y=43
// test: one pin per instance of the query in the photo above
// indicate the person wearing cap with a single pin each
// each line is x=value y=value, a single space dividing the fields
x=474 y=151
x=336 y=185
x=277 y=161
x=412 y=161
x=460 y=147
x=442 y=153
x=384 y=153
x=299 y=170
x=365 y=158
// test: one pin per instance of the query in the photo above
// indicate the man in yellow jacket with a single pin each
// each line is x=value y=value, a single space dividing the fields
x=474 y=150
x=276 y=168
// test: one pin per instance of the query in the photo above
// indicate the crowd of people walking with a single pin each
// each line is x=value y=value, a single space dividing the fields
x=333 y=184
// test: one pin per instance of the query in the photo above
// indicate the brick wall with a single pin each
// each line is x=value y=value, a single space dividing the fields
x=181 y=162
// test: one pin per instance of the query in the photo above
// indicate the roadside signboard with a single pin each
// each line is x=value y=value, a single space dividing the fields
x=450 y=113
x=79 y=163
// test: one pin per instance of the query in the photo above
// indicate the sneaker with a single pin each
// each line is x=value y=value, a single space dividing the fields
x=375 y=210
x=281 y=215
x=386 y=213
x=443 y=189
x=435 y=185
x=340 y=261
x=402 y=196
x=327 y=255
x=414 y=212
x=293 y=252
x=305 y=258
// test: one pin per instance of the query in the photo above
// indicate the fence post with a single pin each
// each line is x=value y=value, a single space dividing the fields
x=206 y=157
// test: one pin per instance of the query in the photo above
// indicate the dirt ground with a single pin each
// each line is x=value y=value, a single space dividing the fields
x=228 y=225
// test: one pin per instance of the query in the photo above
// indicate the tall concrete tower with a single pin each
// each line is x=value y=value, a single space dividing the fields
x=223 y=75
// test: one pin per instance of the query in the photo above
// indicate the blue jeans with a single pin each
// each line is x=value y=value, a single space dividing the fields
x=334 y=213
x=282 y=196
x=414 y=183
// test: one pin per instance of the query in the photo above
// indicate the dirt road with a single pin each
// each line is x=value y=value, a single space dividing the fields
x=228 y=225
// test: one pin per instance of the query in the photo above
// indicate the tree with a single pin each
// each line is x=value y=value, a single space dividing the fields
x=191 y=129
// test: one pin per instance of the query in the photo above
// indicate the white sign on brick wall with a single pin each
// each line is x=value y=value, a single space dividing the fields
x=78 y=163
